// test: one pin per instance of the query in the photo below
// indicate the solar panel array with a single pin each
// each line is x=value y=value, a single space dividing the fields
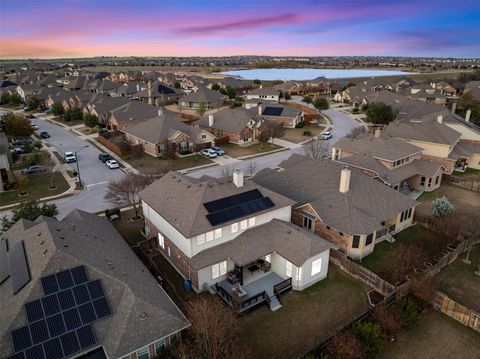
x=164 y=90
x=272 y=111
x=4 y=272
x=59 y=323
x=18 y=267
x=240 y=205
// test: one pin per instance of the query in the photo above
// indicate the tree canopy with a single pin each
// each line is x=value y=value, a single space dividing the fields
x=16 y=125
x=30 y=210
x=321 y=103
x=378 y=112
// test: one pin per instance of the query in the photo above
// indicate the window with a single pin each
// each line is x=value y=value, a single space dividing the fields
x=307 y=223
x=159 y=345
x=316 y=267
x=288 y=269
x=369 y=239
x=201 y=239
x=437 y=179
x=209 y=236
x=219 y=269
x=234 y=227
x=429 y=181
x=161 y=241
x=341 y=234
x=401 y=216
x=173 y=338
x=184 y=145
x=168 y=250
x=251 y=222
x=243 y=224
x=268 y=258
x=422 y=181
x=409 y=213
x=204 y=136
x=143 y=353
x=356 y=241
x=328 y=227
x=298 y=277
x=218 y=233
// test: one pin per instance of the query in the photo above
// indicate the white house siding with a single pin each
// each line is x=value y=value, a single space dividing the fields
x=205 y=275
x=167 y=229
x=466 y=132
x=283 y=214
x=307 y=279
x=279 y=265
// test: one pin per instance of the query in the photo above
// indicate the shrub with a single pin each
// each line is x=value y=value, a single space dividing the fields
x=307 y=133
x=355 y=110
x=390 y=318
x=442 y=207
x=321 y=103
x=300 y=125
x=345 y=345
x=112 y=211
x=410 y=310
x=372 y=337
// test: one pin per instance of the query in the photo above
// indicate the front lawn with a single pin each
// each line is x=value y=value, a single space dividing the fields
x=296 y=135
x=305 y=317
x=459 y=281
x=234 y=150
x=38 y=187
x=152 y=165
x=29 y=159
x=435 y=336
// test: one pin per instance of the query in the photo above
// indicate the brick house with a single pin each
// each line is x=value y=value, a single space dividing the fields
x=134 y=112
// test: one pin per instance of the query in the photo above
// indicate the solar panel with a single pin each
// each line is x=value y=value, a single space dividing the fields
x=50 y=305
x=56 y=326
x=86 y=337
x=70 y=343
x=164 y=90
x=81 y=294
x=35 y=352
x=66 y=299
x=49 y=284
x=65 y=279
x=272 y=111
x=87 y=313
x=95 y=289
x=245 y=209
x=18 y=268
x=39 y=331
x=21 y=339
x=34 y=310
x=79 y=275
x=231 y=201
x=72 y=319
x=4 y=272
x=18 y=355
x=102 y=308
x=53 y=349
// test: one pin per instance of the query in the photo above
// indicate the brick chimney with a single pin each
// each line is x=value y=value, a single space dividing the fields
x=440 y=119
x=210 y=120
x=149 y=92
x=238 y=178
x=345 y=180
x=467 y=115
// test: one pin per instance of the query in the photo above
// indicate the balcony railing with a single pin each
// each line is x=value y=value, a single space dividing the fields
x=282 y=287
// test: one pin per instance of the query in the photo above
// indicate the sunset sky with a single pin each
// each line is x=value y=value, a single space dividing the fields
x=78 y=28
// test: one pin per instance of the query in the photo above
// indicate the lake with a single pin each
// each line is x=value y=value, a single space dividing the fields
x=309 y=74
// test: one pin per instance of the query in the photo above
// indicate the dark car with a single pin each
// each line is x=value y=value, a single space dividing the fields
x=44 y=134
x=104 y=157
x=30 y=116
x=34 y=169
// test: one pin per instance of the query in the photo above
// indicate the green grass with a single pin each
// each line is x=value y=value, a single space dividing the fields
x=59 y=157
x=468 y=172
x=305 y=317
x=38 y=187
x=234 y=150
x=459 y=281
x=150 y=164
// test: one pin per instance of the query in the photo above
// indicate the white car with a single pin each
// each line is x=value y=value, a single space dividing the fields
x=35 y=127
x=209 y=153
x=69 y=157
x=112 y=164
x=326 y=135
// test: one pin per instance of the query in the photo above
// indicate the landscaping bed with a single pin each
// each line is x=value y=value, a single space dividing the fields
x=234 y=150
x=296 y=135
x=152 y=165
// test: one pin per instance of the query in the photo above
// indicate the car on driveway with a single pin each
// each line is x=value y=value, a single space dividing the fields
x=218 y=150
x=44 y=134
x=112 y=164
x=326 y=135
x=69 y=157
x=104 y=157
x=209 y=153
x=34 y=169
x=35 y=127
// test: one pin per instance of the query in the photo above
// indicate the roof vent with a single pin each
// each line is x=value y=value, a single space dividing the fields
x=143 y=315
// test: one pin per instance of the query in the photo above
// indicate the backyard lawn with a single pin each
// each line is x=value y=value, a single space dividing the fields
x=234 y=150
x=152 y=165
x=38 y=187
x=295 y=135
x=435 y=336
x=305 y=317
x=459 y=281
x=130 y=231
x=469 y=172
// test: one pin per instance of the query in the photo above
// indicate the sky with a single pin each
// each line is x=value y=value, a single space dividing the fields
x=83 y=28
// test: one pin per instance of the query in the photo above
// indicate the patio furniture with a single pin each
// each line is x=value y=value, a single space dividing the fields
x=232 y=277
x=238 y=290
x=253 y=268
x=266 y=267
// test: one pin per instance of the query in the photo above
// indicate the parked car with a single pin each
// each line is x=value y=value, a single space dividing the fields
x=69 y=157
x=35 y=127
x=315 y=123
x=209 y=153
x=30 y=116
x=34 y=169
x=326 y=135
x=21 y=141
x=19 y=150
x=112 y=164
x=104 y=157
x=44 y=134
x=218 y=150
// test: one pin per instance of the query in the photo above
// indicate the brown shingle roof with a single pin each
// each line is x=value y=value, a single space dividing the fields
x=432 y=132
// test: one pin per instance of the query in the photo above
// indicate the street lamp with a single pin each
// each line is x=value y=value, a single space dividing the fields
x=78 y=167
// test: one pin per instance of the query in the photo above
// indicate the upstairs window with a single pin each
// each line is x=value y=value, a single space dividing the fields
x=356 y=241
x=307 y=223
x=234 y=227
x=218 y=233
x=201 y=239
x=161 y=241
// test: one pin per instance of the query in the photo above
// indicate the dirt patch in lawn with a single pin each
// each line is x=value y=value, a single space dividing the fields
x=234 y=150
x=129 y=230
x=305 y=317
x=296 y=135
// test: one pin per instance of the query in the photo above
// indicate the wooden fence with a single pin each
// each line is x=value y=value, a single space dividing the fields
x=467 y=183
x=361 y=273
x=447 y=226
x=464 y=315
x=111 y=146
x=310 y=114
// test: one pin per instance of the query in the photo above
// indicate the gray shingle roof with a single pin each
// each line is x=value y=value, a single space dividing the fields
x=142 y=311
x=432 y=132
x=135 y=110
x=204 y=94
x=229 y=119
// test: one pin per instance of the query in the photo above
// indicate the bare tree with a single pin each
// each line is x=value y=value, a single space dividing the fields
x=125 y=191
x=316 y=148
x=271 y=130
x=227 y=172
x=252 y=167
x=49 y=164
x=357 y=132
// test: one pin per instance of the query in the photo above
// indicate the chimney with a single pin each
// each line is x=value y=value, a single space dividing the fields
x=261 y=86
x=160 y=112
x=440 y=119
x=378 y=133
x=138 y=87
x=149 y=92
x=210 y=120
x=344 y=180
x=454 y=107
x=467 y=115
x=238 y=178
x=260 y=109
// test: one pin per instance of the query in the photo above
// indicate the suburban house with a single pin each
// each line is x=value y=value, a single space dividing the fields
x=288 y=116
x=323 y=86
x=75 y=288
x=232 y=237
x=159 y=94
x=395 y=162
x=5 y=161
x=347 y=208
x=474 y=88
x=238 y=124
x=292 y=87
x=354 y=95
x=128 y=89
x=264 y=93
x=155 y=134
x=133 y=112
x=427 y=93
x=209 y=98
x=102 y=106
